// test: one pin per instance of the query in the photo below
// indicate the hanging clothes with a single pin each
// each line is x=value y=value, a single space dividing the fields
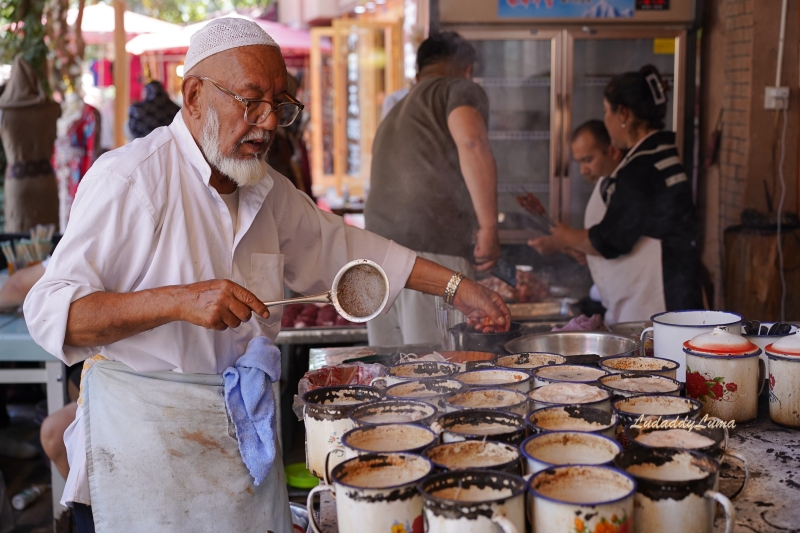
x=154 y=111
x=77 y=148
x=28 y=132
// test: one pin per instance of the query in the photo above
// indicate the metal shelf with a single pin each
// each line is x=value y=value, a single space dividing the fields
x=512 y=82
x=522 y=188
x=602 y=81
x=499 y=135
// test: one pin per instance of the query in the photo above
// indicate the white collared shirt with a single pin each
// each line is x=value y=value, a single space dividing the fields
x=145 y=216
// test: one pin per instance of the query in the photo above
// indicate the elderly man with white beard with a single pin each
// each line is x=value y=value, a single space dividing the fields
x=174 y=242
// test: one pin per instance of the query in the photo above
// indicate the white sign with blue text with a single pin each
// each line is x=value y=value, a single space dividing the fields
x=566 y=9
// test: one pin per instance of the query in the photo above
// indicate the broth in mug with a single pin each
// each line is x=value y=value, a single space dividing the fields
x=674 y=438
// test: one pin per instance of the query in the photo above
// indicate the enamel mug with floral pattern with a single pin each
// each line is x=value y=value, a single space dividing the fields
x=581 y=499
x=784 y=381
x=376 y=493
x=724 y=372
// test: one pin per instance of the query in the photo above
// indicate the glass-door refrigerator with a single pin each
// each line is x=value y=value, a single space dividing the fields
x=544 y=65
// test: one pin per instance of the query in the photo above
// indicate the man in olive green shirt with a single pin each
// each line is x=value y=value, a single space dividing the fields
x=434 y=181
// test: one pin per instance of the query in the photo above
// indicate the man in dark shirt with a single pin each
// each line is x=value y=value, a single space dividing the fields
x=434 y=181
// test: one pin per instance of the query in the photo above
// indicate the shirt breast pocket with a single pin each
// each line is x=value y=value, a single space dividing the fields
x=266 y=282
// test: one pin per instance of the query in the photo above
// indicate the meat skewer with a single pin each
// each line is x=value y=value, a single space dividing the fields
x=533 y=205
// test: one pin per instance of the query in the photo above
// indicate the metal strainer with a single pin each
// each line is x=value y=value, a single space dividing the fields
x=359 y=293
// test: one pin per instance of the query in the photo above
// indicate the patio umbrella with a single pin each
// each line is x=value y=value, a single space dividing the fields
x=291 y=41
x=98 y=24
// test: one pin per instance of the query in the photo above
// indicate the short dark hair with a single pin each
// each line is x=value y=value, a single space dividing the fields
x=643 y=92
x=445 y=46
x=597 y=129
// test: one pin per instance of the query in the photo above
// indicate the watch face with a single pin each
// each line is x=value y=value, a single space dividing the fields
x=652 y=5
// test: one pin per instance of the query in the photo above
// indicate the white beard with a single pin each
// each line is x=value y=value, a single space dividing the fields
x=243 y=172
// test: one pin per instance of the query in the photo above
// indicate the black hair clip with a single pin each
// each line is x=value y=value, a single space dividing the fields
x=656 y=88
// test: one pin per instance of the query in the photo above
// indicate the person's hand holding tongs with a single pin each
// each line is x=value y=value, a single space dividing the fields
x=551 y=244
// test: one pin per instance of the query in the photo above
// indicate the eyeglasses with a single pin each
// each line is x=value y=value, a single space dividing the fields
x=257 y=111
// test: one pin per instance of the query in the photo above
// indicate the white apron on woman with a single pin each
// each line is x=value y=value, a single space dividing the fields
x=631 y=286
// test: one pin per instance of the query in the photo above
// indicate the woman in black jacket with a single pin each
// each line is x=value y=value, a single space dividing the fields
x=643 y=245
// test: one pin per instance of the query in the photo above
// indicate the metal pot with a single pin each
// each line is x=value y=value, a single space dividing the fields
x=572 y=344
x=467 y=339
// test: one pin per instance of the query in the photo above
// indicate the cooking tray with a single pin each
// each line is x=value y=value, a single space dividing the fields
x=573 y=343
x=550 y=310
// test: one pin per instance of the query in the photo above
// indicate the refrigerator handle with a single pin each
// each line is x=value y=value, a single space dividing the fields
x=557 y=140
x=565 y=155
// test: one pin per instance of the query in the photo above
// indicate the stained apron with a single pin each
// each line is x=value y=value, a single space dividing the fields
x=162 y=456
x=631 y=286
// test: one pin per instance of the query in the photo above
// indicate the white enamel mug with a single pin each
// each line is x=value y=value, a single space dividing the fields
x=431 y=390
x=504 y=378
x=762 y=341
x=640 y=365
x=376 y=492
x=389 y=438
x=673 y=328
x=545 y=375
x=416 y=370
x=489 y=398
x=675 y=490
x=581 y=498
x=474 y=501
x=559 y=448
x=573 y=418
x=326 y=413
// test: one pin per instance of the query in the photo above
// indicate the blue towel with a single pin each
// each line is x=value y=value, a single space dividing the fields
x=251 y=404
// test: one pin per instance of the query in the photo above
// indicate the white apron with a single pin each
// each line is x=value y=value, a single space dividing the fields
x=163 y=457
x=631 y=286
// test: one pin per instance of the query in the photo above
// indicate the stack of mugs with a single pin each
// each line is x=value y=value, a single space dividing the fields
x=523 y=442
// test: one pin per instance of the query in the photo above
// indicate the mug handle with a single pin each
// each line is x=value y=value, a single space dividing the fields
x=642 y=338
x=762 y=375
x=312 y=516
x=381 y=379
x=730 y=511
x=724 y=428
x=325 y=478
x=505 y=524
x=746 y=472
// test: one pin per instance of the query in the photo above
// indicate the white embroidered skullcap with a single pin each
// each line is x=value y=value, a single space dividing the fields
x=224 y=34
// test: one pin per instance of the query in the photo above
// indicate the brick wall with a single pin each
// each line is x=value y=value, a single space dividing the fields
x=737 y=91
x=739 y=54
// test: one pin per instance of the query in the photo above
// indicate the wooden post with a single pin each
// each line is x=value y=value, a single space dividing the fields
x=121 y=74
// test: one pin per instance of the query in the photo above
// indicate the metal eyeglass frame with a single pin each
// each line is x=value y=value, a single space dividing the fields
x=247 y=101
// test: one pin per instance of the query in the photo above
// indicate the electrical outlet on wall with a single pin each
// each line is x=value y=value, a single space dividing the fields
x=776 y=97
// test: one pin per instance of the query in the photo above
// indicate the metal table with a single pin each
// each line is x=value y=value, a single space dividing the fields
x=322 y=336
x=16 y=345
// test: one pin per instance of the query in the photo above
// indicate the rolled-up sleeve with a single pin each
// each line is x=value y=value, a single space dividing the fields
x=104 y=248
x=316 y=244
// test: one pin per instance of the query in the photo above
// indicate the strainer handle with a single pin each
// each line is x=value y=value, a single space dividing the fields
x=324 y=298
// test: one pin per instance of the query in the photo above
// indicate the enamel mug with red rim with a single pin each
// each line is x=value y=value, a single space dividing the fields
x=724 y=372
x=784 y=381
